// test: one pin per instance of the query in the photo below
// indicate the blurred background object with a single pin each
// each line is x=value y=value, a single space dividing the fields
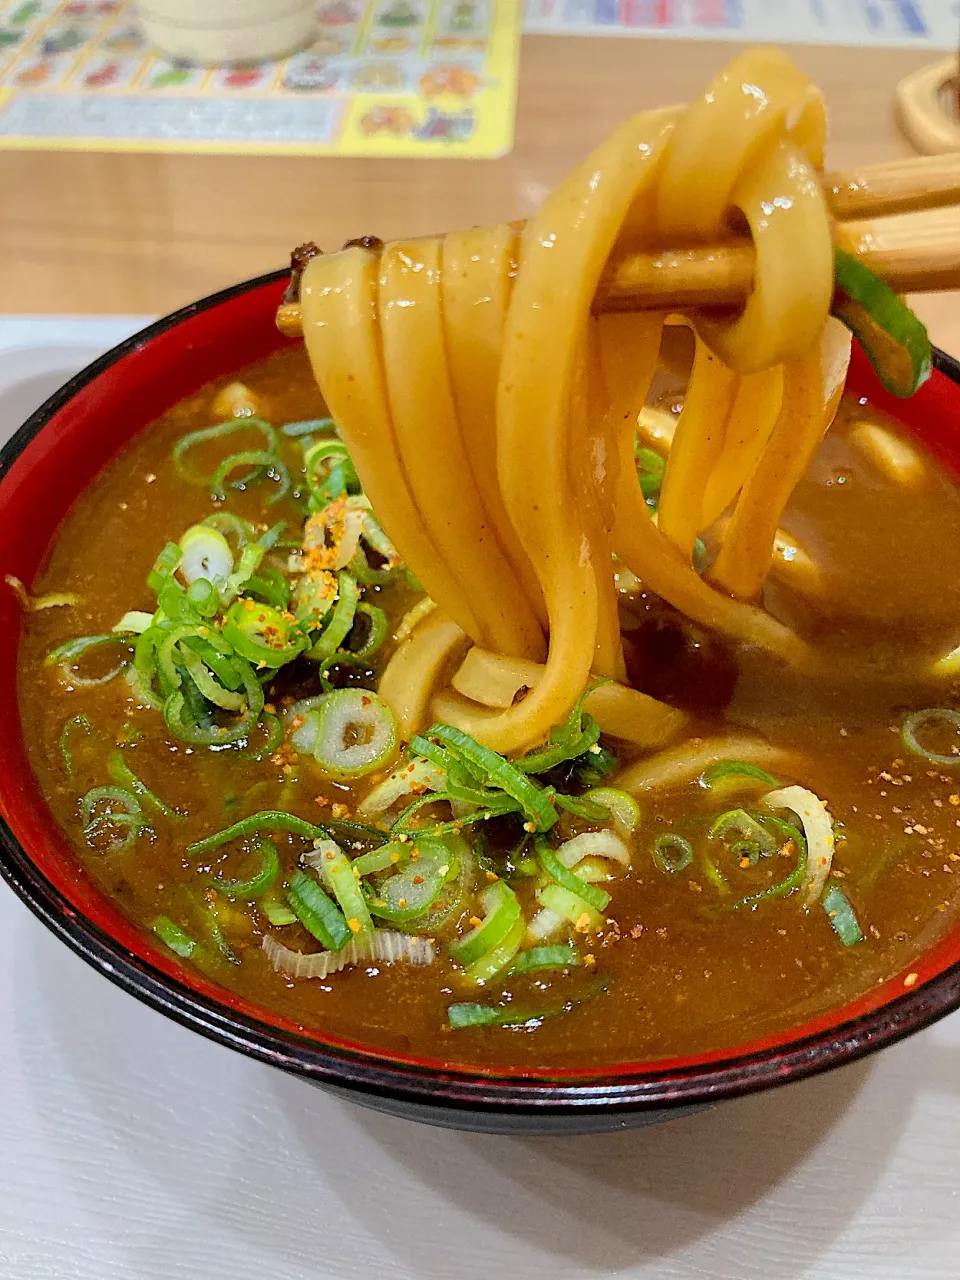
x=227 y=31
x=928 y=107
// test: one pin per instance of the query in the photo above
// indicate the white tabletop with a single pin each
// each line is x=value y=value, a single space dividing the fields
x=131 y=1149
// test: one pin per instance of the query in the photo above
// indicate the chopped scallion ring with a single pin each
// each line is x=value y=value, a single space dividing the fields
x=917 y=720
x=671 y=852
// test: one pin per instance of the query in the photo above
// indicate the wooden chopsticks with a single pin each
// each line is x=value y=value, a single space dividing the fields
x=901 y=219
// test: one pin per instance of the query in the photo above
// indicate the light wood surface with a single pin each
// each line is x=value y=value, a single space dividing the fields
x=91 y=232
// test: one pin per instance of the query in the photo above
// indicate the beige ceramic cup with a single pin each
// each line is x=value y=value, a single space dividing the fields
x=223 y=31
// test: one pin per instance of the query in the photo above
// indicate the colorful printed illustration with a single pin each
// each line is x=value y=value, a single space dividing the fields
x=125 y=40
x=91 y=9
x=459 y=44
x=33 y=75
x=25 y=13
x=242 y=77
x=440 y=126
x=102 y=77
x=382 y=77
x=464 y=16
x=396 y=45
x=339 y=14
x=457 y=80
x=399 y=14
x=395 y=120
x=63 y=40
x=174 y=76
x=374 y=77
x=310 y=75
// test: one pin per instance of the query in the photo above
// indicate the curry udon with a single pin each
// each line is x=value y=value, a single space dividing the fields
x=547 y=687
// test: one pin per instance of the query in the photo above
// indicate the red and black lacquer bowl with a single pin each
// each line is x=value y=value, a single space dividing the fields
x=42 y=470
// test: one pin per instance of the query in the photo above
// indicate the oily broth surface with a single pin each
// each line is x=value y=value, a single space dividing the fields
x=685 y=979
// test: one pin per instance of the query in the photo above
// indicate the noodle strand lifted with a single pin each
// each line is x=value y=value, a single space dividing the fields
x=492 y=416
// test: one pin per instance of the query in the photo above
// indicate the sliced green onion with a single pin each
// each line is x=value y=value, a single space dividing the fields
x=317 y=913
x=412 y=776
x=133 y=623
x=356 y=733
x=455 y=825
x=226 y=522
x=186 y=443
x=714 y=875
x=267 y=820
x=784 y=887
x=124 y=776
x=732 y=773
x=671 y=852
x=894 y=340
x=172 y=936
x=206 y=554
x=277 y=912
x=66 y=655
x=499 y=773
x=271 y=464
x=842 y=916
x=818 y=830
x=164 y=566
x=497 y=958
x=458 y=885
x=582 y=807
x=377 y=629
x=501 y=912
x=130 y=815
x=916 y=721
x=204 y=597
x=506 y=1015
x=212 y=690
x=337 y=872
x=256 y=885
x=578 y=733
x=620 y=805
x=213 y=928
x=571 y=906
x=340 y=620
x=35 y=604
x=650 y=469
x=740 y=823
x=302 y=722
x=554 y=868
x=560 y=956
x=270 y=585
x=261 y=634
x=250 y=560
x=274 y=731
x=594 y=765
x=339 y=475
x=78 y=722
x=410 y=892
x=385 y=858
x=189 y=728
x=594 y=844
x=308 y=425
x=361 y=568
x=413 y=617
x=340 y=659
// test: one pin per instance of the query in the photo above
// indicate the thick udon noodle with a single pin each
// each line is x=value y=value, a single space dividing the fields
x=491 y=414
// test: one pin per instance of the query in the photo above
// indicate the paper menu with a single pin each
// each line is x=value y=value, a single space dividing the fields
x=383 y=78
x=933 y=24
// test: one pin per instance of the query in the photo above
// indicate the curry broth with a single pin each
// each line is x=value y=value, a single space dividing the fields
x=686 y=977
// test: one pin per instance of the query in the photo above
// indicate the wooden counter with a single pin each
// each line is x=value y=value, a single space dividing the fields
x=91 y=232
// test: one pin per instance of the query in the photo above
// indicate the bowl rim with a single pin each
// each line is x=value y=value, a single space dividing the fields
x=480 y=1090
